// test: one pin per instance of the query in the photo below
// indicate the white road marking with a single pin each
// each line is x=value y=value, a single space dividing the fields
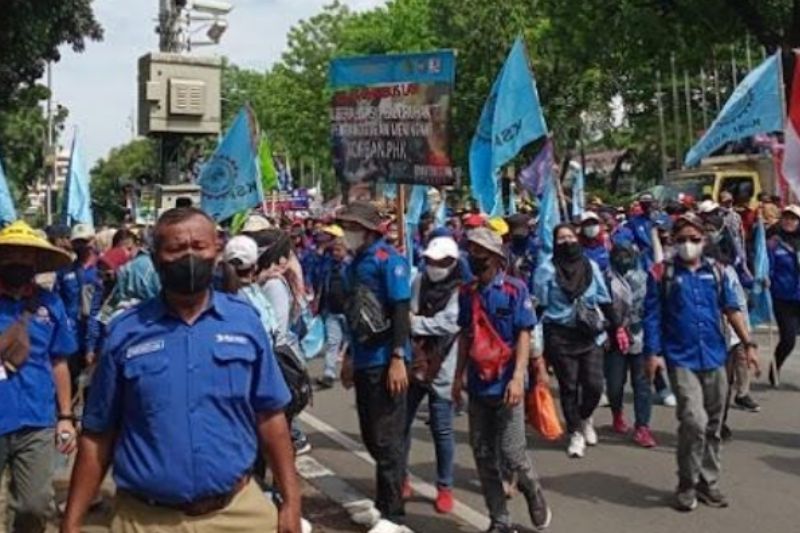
x=460 y=510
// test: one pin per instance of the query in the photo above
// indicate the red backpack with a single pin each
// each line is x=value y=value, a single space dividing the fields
x=489 y=352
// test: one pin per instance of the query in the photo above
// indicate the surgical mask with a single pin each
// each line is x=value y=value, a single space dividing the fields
x=592 y=231
x=689 y=251
x=16 y=276
x=354 y=240
x=437 y=274
x=190 y=274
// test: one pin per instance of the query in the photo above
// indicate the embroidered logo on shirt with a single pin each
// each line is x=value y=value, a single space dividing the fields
x=70 y=276
x=226 y=338
x=42 y=316
x=399 y=271
x=144 y=349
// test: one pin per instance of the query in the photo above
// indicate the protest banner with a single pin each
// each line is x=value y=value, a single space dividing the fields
x=389 y=118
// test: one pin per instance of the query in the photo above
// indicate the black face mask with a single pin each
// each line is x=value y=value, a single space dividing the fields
x=478 y=265
x=188 y=275
x=623 y=263
x=16 y=276
x=569 y=251
x=519 y=241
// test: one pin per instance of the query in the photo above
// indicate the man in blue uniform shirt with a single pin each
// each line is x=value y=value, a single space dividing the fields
x=496 y=388
x=35 y=338
x=378 y=285
x=186 y=390
x=687 y=302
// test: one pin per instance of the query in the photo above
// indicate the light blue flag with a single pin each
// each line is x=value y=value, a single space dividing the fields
x=754 y=107
x=417 y=205
x=578 y=192
x=549 y=218
x=230 y=178
x=441 y=212
x=511 y=118
x=390 y=190
x=761 y=299
x=7 y=212
x=77 y=207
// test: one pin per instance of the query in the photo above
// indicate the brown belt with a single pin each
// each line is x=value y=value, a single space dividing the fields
x=199 y=507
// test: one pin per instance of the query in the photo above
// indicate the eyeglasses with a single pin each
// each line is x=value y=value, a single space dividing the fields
x=695 y=240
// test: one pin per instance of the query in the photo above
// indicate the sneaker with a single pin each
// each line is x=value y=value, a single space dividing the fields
x=302 y=446
x=686 y=500
x=644 y=437
x=387 y=526
x=541 y=514
x=670 y=400
x=501 y=528
x=603 y=401
x=406 y=492
x=620 y=425
x=587 y=428
x=305 y=526
x=325 y=382
x=747 y=403
x=577 y=445
x=712 y=497
x=444 y=500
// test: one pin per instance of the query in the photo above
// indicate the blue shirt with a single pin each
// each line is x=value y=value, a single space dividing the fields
x=27 y=397
x=687 y=328
x=385 y=272
x=642 y=226
x=183 y=398
x=508 y=304
x=558 y=309
x=783 y=271
x=597 y=252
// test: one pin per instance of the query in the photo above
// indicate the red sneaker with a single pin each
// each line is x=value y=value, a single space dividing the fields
x=643 y=437
x=444 y=501
x=406 y=491
x=620 y=425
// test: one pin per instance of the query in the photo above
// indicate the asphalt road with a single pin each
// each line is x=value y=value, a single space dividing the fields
x=617 y=486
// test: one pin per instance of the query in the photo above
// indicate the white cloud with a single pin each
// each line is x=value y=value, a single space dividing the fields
x=98 y=86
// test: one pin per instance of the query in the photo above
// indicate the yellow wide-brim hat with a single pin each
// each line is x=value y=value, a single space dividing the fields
x=20 y=236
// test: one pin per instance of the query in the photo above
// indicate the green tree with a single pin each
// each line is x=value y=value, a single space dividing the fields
x=133 y=163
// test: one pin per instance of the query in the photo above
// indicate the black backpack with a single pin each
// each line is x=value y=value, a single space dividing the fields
x=297 y=379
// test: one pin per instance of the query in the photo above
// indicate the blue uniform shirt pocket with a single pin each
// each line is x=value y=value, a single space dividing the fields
x=148 y=382
x=234 y=370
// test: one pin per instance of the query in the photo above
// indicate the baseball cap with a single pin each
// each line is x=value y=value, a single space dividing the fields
x=689 y=219
x=588 y=216
x=256 y=223
x=441 y=247
x=82 y=232
x=707 y=206
x=487 y=239
x=792 y=209
x=334 y=230
x=241 y=251
x=646 y=198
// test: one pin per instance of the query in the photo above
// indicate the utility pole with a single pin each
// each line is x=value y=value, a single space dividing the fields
x=676 y=115
x=168 y=28
x=703 y=101
x=688 y=92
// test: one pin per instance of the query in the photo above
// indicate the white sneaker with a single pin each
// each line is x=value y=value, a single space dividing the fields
x=577 y=445
x=603 y=401
x=387 y=526
x=670 y=400
x=587 y=428
x=363 y=512
x=305 y=526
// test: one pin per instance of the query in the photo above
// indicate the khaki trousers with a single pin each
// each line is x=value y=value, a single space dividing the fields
x=249 y=512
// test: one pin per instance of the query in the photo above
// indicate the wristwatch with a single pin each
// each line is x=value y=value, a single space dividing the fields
x=67 y=416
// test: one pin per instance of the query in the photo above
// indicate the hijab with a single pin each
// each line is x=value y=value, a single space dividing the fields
x=573 y=269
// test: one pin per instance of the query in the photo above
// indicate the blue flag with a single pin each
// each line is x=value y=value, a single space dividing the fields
x=549 y=218
x=761 y=299
x=511 y=118
x=230 y=178
x=578 y=192
x=77 y=207
x=756 y=106
x=7 y=212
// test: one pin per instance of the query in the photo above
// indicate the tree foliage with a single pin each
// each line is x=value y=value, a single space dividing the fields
x=132 y=163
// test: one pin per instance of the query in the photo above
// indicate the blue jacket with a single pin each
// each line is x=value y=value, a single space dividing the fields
x=597 y=252
x=784 y=273
x=684 y=322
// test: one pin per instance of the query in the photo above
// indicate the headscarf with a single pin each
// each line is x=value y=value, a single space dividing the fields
x=573 y=272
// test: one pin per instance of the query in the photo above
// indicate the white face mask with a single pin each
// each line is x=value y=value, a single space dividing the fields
x=437 y=274
x=689 y=251
x=354 y=240
x=592 y=231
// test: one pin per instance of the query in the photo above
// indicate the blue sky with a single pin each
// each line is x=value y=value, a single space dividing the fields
x=99 y=85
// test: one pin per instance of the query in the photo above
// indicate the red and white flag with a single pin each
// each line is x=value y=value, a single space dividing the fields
x=790 y=166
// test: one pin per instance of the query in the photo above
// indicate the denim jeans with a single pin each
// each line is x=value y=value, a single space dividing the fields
x=441 y=424
x=334 y=338
x=617 y=366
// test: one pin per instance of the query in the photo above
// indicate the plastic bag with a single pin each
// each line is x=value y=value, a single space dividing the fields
x=313 y=340
x=541 y=412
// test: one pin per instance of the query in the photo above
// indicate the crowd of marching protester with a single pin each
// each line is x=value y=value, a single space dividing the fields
x=184 y=349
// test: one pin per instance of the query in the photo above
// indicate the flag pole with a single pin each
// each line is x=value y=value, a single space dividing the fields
x=676 y=116
x=661 y=127
x=400 y=207
x=688 y=92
